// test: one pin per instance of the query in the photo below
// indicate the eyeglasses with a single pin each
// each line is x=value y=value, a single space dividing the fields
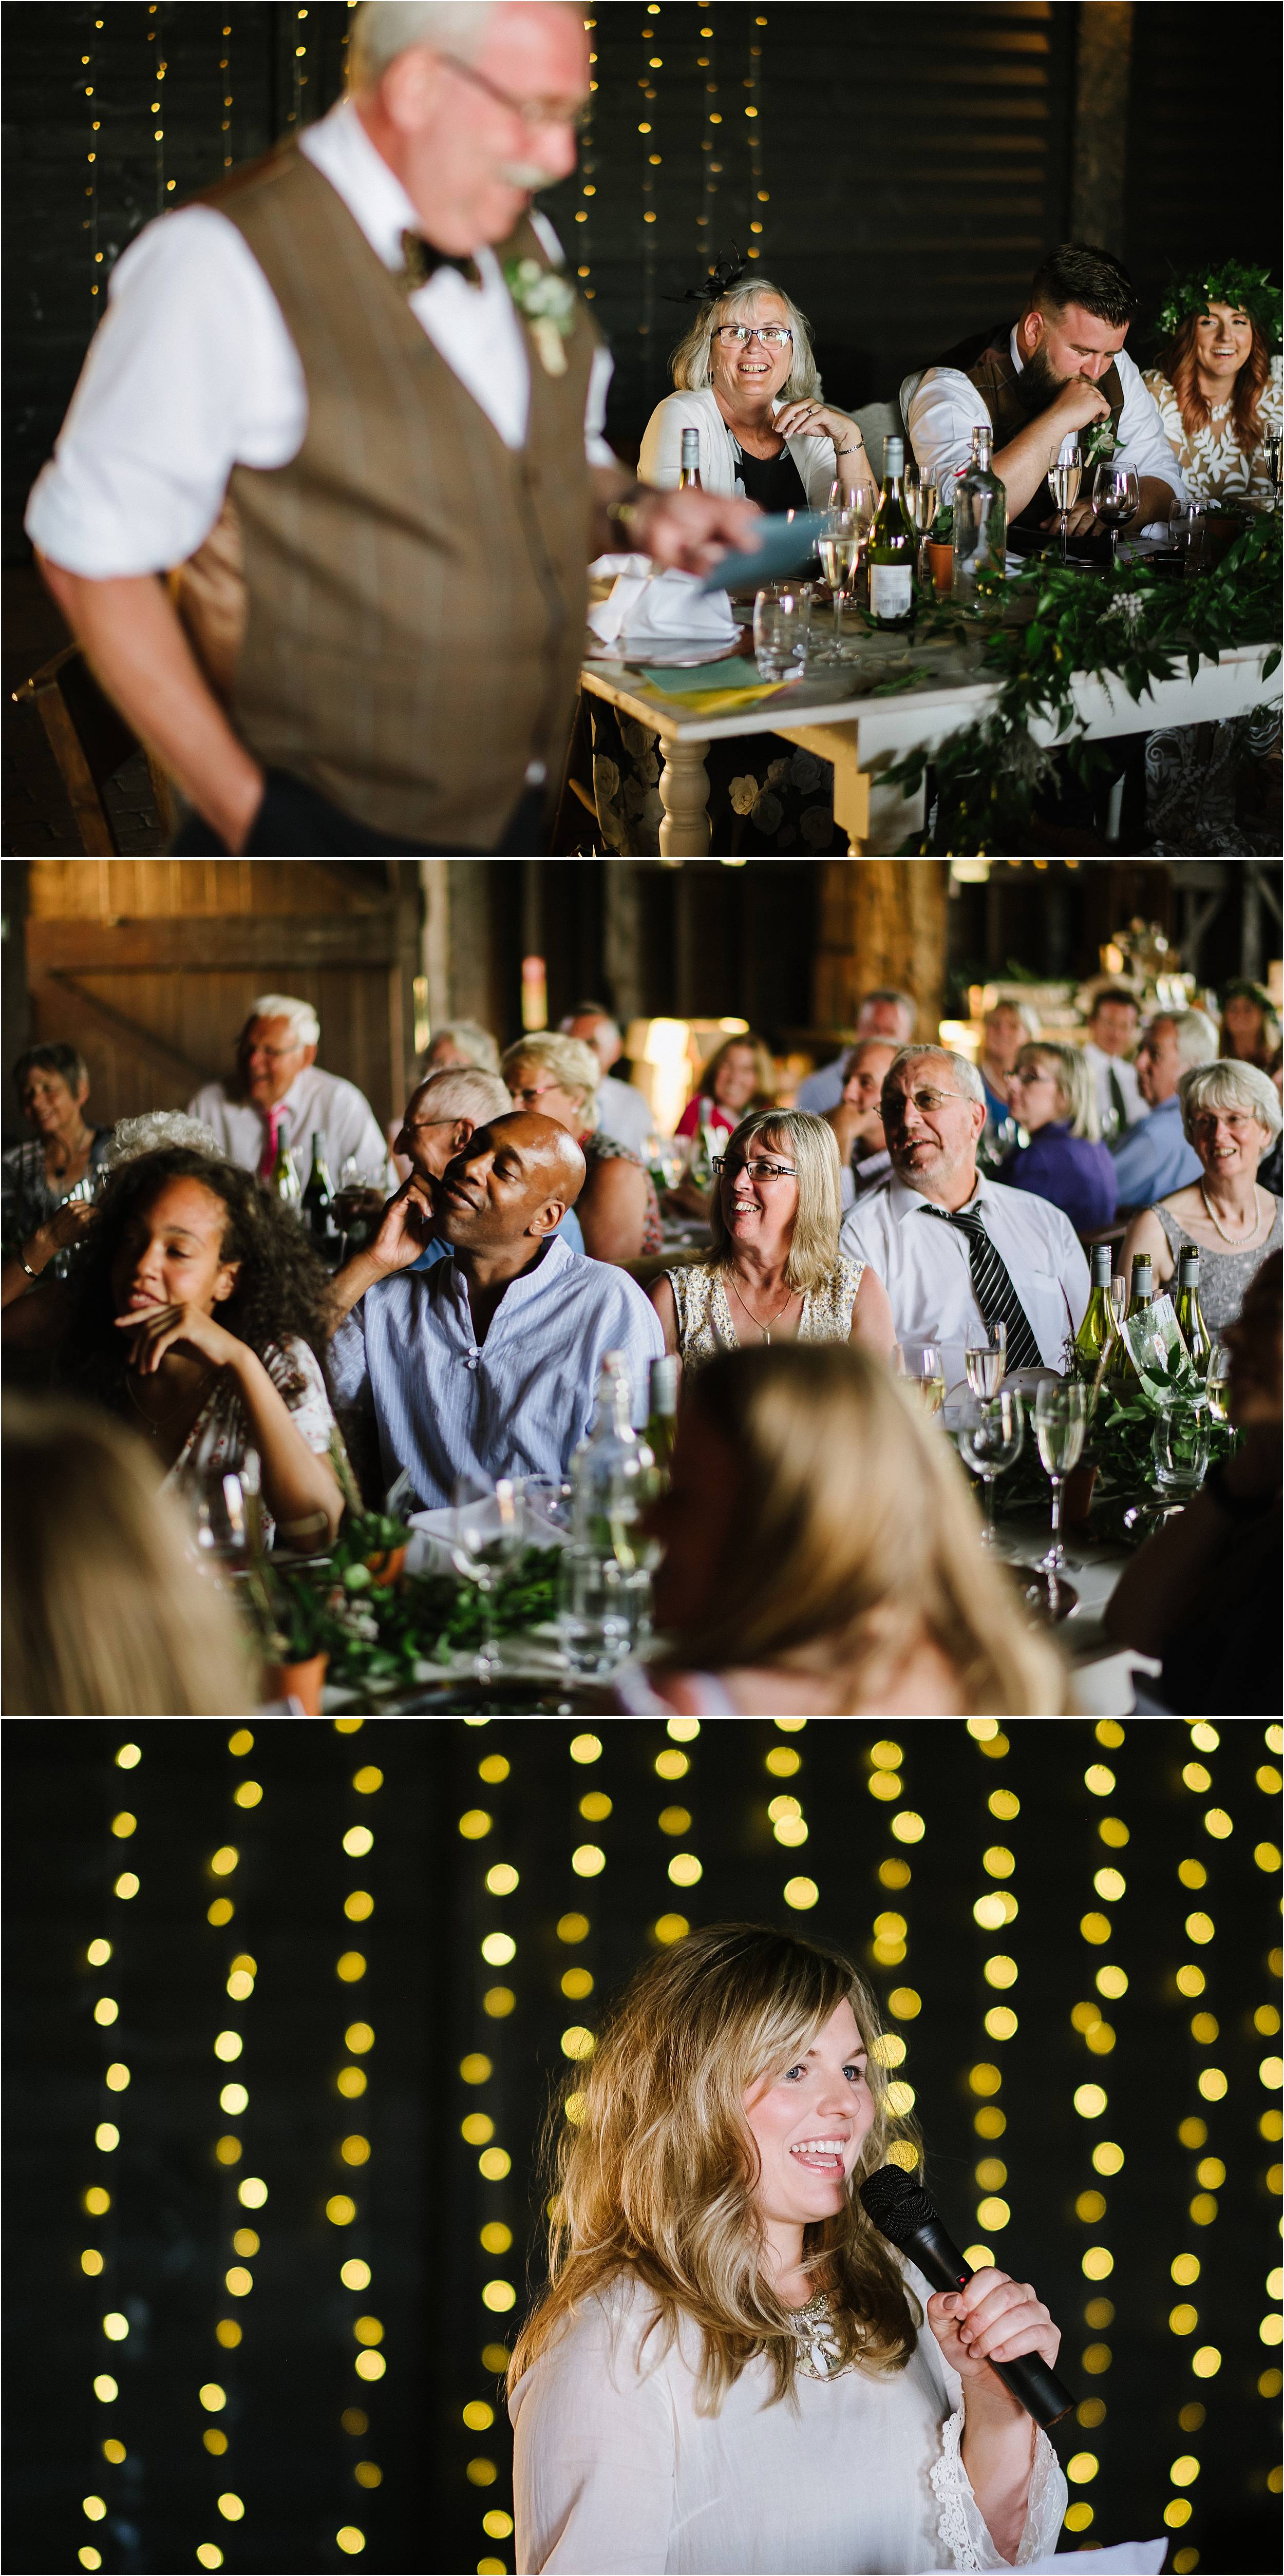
x=925 y=1101
x=532 y=111
x=773 y=335
x=725 y=1169
x=528 y=1094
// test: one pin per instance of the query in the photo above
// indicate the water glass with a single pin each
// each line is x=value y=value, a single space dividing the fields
x=991 y=1439
x=1179 y=1450
x=597 y=1609
x=1188 y=529
x=483 y=1537
x=781 y=631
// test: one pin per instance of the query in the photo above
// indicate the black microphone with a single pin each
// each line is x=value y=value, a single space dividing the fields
x=907 y=2216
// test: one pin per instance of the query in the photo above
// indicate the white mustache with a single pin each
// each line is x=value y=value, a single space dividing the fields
x=524 y=174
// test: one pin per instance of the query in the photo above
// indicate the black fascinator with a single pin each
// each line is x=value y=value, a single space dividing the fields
x=724 y=274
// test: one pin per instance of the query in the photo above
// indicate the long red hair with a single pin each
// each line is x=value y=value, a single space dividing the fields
x=1196 y=410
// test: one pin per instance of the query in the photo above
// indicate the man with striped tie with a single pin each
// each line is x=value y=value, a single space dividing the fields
x=954 y=1249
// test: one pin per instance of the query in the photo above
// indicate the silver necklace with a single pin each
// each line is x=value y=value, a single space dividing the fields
x=157 y=1421
x=764 y=1329
x=1238 y=1239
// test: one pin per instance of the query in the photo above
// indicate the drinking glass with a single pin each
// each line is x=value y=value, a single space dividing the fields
x=839 y=543
x=781 y=629
x=1188 y=529
x=1179 y=1450
x=1119 y=1296
x=1273 y=452
x=1060 y=1421
x=1065 y=474
x=1217 y=1382
x=919 y=494
x=547 y=1498
x=1114 y=498
x=480 y=1542
x=597 y=1609
x=986 y=1357
x=925 y=1376
x=991 y=1439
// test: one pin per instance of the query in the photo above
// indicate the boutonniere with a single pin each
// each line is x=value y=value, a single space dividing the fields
x=547 y=301
x=1098 y=442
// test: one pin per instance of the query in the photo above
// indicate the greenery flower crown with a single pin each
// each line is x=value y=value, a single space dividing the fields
x=1249 y=290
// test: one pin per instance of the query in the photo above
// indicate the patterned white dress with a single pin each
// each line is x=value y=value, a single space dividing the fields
x=704 y=1312
x=219 y=1437
x=1214 y=465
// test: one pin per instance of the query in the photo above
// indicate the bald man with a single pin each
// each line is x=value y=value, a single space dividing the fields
x=487 y=1364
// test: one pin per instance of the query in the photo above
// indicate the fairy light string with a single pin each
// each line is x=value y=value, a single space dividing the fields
x=588 y=175
x=478 y=2128
x=758 y=195
x=890 y=1939
x=1270 y=2071
x=993 y=1912
x=653 y=64
x=89 y=72
x=225 y=87
x=711 y=165
x=353 y=2151
x=98 y=2200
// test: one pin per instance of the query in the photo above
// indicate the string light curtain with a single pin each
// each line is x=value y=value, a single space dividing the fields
x=582 y=246
x=710 y=143
x=758 y=195
x=89 y=69
x=99 y=2198
x=653 y=65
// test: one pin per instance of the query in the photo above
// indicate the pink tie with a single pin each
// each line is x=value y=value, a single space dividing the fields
x=274 y=1123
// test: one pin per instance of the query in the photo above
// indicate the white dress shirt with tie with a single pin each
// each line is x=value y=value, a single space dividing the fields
x=316 y=1102
x=1104 y=1067
x=924 y=1266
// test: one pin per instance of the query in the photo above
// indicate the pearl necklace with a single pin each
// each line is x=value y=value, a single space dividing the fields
x=1239 y=1240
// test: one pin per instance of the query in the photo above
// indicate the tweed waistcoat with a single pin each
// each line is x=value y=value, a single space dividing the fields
x=411 y=619
x=986 y=361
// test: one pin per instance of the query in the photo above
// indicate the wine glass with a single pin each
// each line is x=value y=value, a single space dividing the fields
x=991 y=1439
x=483 y=1533
x=919 y=494
x=548 y=1499
x=1115 y=494
x=839 y=545
x=1217 y=1382
x=986 y=1357
x=1060 y=1421
x=925 y=1376
x=1065 y=474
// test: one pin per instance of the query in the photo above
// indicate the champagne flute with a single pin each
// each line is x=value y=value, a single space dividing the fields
x=1217 y=1382
x=1065 y=474
x=919 y=494
x=1060 y=1421
x=1114 y=498
x=991 y=1439
x=925 y=1375
x=986 y=1357
x=839 y=546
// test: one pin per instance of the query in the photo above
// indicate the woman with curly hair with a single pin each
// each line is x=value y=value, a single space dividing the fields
x=197 y=1312
x=729 y=2369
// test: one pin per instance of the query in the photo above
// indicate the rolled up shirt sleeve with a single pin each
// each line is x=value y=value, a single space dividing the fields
x=1144 y=443
x=942 y=414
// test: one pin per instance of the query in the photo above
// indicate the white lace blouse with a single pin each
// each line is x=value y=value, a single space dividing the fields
x=617 y=2474
x=1214 y=465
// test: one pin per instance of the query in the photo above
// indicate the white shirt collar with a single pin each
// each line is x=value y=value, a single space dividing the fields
x=905 y=1200
x=1017 y=359
x=340 y=148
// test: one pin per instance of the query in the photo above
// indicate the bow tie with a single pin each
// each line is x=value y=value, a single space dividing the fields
x=423 y=259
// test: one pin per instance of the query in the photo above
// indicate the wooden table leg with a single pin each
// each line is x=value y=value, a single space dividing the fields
x=837 y=743
x=684 y=794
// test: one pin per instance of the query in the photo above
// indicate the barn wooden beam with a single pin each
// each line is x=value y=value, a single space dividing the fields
x=214 y=942
x=76 y=1009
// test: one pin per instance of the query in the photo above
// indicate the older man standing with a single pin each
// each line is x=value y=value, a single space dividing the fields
x=623 y=1112
x=1155 y=1158
x=884 y=1013
x=487 y=1364
x=953 y=1249
x=356 y=397
x=281 y=1091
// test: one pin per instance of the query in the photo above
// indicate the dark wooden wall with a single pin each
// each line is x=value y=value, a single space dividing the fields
x=915 y=157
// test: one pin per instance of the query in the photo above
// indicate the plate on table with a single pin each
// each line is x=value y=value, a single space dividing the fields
x=679 y=653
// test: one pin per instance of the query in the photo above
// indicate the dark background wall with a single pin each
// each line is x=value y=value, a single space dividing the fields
x=907 y=163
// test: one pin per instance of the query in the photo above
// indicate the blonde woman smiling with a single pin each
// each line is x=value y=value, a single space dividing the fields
x=747 y=381
x=731 y=2369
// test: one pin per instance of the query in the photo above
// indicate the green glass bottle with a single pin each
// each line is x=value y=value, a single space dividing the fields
x=318 y=1198
x=1190 y=1314
x=891 y=547
x=1098 y=1330
x=1123 y=1366
x=662 y=1421
x=284 y=1181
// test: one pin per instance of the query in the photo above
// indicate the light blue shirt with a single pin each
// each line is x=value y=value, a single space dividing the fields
x=1154 y=1158
x=516 y=1404
x=440 y=1250
x=823 y=1090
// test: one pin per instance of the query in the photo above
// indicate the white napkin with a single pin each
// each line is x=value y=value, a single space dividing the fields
x=656 y=607
x=606 y=566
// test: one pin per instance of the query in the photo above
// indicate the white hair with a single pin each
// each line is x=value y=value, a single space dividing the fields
x=153 y=1132
x=471 y=1039
x=382 y=29
x=305 y=1027
x=1197 y=1040
x=691 y=358
x=465 y=1091
x=965 y=1072
x=1229 y=1084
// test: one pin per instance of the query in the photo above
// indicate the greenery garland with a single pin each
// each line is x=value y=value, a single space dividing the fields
x=1133 y=625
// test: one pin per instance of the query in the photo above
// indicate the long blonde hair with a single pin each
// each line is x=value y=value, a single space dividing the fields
x=855 y=1536
x=655 y=2164
x=105 y=1614
x=813 y=1149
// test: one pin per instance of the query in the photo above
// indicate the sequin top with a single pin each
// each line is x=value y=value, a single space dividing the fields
x=704 y=1312
x=1224 y=1277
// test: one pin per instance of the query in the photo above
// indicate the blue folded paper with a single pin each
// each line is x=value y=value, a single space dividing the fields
x=786 y=544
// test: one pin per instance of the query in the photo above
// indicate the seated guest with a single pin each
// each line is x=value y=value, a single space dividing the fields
x=280 y=1090
x=1051 y=378
x=857 y=1121
x=1004 y=1031
x=1250 y=1024
x=1203 y=1593
x=197 y=1313
x=123 y=1143
x=487 y=1365
x=1156 y=1156
x=953 y=1249
x=1231 y=1115
x=52 y=1084
x=1113 y=1023
x=442 y=1116
x=1269 y=1173
x=738 y=1078
x=460 y=1042
x=617 y=1207
x=884 y=1013
x=623 y=1111
x=106 y=1611
x=1218 y=388
x=822 y=1555
x=774 y=1265
x=747 y=384
x=1053 y=1098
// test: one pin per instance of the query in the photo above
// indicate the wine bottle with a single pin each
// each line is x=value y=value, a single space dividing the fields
x=980 y=524
x=1190 y=1314
x=284 y=1180
x=610 y=1470
x=1123 y=1365
x=891 y=547
x=318 y=1197
x=689 y=477
x=1097 y=1331
x=662 y=1422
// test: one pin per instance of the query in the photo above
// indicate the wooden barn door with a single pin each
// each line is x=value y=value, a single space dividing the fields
x=149 y=967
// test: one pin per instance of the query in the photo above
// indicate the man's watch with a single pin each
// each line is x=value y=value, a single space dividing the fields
x=624 y=509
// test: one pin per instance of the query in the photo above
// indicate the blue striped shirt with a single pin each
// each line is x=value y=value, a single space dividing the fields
x=446 y=1406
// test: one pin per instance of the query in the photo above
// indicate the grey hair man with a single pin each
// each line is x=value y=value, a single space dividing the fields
x=1157 y=1157
x=623 y=1111
x=281 y=1094
x=883 y=1013
x=955 y=1250
x=391 y=432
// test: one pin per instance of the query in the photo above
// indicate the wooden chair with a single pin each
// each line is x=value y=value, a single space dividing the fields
x=90 y=741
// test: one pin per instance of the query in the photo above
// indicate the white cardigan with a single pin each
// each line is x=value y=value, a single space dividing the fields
x=660 y=462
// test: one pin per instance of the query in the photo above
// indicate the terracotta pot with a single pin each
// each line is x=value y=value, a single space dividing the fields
x=385 y=1565
x=941 y=558
x=300 y=1681
x=1077 y=1501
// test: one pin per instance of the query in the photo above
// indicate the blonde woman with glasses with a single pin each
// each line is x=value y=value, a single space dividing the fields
x=774 y=1269
x=748 y=383
x=731 y=2369
x=1052 y=1093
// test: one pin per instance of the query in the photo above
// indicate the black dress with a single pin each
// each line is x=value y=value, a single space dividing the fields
x=774 y=482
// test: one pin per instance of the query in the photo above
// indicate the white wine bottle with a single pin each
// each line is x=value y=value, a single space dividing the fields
x=1121 y=1366
x=1097 y=1331
x=689 y=478
x=1190 y=1314
x=891 y=547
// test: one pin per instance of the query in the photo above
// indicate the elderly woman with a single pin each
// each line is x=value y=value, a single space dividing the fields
x=774 y=1265
x=52 y=1084
x=558 y=1077
x=747 y=382
x=1053 y=1096
x=1231 y=1114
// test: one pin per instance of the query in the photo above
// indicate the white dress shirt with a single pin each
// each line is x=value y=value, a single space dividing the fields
x=1125 y=1074
x=660 y=461
x=618 y=2470
x=446 y=1405
x=315 y=1102
x=624 y=1113
x=947 y=407
x=193 y=371
x=923 y=1264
